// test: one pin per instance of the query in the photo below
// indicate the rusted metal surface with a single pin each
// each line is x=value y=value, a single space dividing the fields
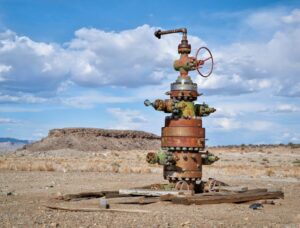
x=184 y=94
x=183 y=137
x=183 y=122
x=186 y=171
x=188 y=162
x=158 y=33
x=189 y=142
x=196 y=132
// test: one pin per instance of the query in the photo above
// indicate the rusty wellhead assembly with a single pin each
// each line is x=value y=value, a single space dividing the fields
x=183 y=149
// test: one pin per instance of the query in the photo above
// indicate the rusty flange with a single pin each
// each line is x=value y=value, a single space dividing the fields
x=188 y=166
x=187 y=95
x=180 y=133
x=171 y=122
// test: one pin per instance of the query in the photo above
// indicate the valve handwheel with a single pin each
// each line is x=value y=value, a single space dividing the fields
x=203 y=62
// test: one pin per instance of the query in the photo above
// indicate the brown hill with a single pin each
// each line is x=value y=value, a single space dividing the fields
x=93 y=139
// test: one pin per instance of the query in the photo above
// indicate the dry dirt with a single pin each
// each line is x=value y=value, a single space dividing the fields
x=29 y=180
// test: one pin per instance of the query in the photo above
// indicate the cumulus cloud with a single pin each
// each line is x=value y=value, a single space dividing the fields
x=130 y=58
x=3 y=70
x=27 y=65
x=135 y=58
x=127 y=118
x=294 y=17
x=31 y=71
x=94 y=98
x=231 y=124
x=272 y=64
x=22 y=98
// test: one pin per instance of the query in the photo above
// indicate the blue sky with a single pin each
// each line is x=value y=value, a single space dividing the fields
x=93 y=63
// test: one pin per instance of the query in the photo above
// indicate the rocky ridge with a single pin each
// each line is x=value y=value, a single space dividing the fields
x=94 y=139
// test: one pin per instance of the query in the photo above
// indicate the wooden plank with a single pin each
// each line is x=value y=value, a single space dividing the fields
x=231 y=188
x=257 y=190
x=169 y=197
x=149 y=192
x=125 y=200
x=94 y=209
x=149 y=200
x=89 y=195
x=134 y=200
x=230 y=198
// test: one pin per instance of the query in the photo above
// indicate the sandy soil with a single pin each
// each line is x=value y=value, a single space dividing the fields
x=23 y=193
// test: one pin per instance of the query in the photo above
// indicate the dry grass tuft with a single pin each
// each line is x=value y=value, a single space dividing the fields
x=270 y=172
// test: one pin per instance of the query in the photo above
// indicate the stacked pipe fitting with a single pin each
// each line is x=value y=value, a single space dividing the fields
x=183 y=137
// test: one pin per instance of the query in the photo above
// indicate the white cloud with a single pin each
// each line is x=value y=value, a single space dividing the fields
x=294 y=17
x=290 y=137
x=281 y=108
x=227 y=124
x=232 y=124
x=272 y=64
x=7 y=121
x=18 y=109
x=38 y=134
x=287 y=108
x=28 y=61
x=266 y=19
x=259 y=125
x=135 y=58
x=127 y=119
x=22 y=98
x=130 y=58
x=4 y=69
x=93 y=98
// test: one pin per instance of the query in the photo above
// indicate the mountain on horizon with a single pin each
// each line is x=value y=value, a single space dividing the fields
x=14 y=140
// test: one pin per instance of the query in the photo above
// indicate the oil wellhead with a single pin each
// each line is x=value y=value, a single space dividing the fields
x=183 y=150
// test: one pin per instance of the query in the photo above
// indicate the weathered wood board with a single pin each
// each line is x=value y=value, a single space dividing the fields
x=228 y=198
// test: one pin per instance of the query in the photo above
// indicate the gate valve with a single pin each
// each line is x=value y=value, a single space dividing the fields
x=186 y=63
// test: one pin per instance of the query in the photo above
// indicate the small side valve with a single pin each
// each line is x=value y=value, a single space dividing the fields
x=148 y=103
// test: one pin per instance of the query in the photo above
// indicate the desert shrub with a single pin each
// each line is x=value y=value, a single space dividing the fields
x=270 y=172
x=293 y=145
x=296 y=162
x=115 y=167
x=265 y=160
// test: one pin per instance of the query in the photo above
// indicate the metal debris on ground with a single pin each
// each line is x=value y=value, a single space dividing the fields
x=103 y=203
x=256 y=206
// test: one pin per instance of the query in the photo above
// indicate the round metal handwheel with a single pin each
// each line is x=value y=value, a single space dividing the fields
x=204 y=61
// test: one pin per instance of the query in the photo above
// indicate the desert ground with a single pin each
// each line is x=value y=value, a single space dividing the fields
x=30 y=180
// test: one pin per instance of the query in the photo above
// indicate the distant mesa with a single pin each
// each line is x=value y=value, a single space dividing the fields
x=94 y=139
